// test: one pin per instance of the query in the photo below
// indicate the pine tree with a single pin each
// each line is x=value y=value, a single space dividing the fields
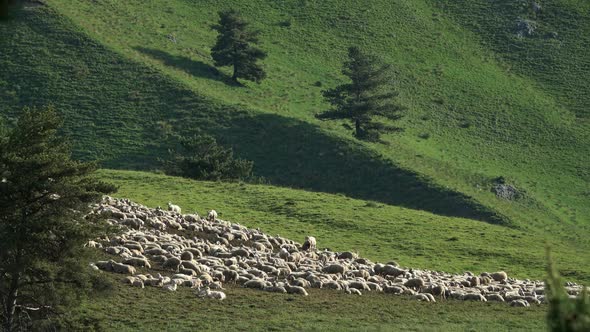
x=200 y=157
x=44 y=196
x=5 y=7
x=236 y=46
x=368 y=95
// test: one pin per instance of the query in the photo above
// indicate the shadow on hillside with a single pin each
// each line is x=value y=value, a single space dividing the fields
x=297 y=154
x=121 y=110
x=188 y=65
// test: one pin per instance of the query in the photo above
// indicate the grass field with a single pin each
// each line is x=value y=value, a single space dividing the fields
x=153 y=309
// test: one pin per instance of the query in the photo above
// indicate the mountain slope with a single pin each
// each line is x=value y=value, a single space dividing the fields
x=555 y=54
x=120 y=111
x=482 y=119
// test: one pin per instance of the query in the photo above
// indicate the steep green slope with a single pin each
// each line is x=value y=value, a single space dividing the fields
x=377 y=231
x=483 y=120
x=120 y=111
x=555 y=54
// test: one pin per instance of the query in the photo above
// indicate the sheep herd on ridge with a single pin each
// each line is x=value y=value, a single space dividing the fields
x=207 y=253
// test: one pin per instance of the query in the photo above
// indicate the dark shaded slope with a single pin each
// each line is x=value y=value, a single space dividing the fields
x=119 y=111
x=111 y=105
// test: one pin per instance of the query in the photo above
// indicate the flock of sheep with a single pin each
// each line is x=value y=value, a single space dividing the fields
x=206 y=253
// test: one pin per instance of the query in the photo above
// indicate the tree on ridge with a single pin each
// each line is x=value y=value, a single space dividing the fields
x=368 y=94
x=236 y=47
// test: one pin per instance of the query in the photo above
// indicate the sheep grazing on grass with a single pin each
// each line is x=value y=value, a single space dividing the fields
x=275 y=289
x=93 y=244
x=212 y=215
x=347 y=255
x=172 y=263
x=192 y=265
x=255 y=283
x=388 y=270
x=136 y=261
x=206 y=293
x=187 y=256
x=499 y=276
x=359 y=285
x=174 y=208
x=214 y=252
x=353 y=291
x=104 y=266
x=474 y=297
x=309 y=244
x=335 y=269
x=422 y=297
x=171 y=287
x=331 y=285
x=519 y=303
x=436 y=290
x=495 y=297
x=415 y=283
x=296 y=290
x=122 y=268
x=393 y=289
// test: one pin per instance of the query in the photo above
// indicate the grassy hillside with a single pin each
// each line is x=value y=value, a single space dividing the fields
x=113 y=69
x=152 y=309
x=555 y=55
x=377 y=231
x=121 y=112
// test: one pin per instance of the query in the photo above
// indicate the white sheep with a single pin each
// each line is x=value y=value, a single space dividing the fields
x=206 y=293
x=122 y=268
x=212 y=215
x=353 y=291
x=296 y=290
x=171 y=286
x=499 y=276
x=174 y=208
x=421 y=297
x=93 y=244
x=309 y=244
x=519 y=303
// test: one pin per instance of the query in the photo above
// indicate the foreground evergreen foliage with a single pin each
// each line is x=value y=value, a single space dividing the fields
x=5 y=8
x=565 y=314
x=369 y=94
x=235 y=47
x=44 y=196
x=200 y=157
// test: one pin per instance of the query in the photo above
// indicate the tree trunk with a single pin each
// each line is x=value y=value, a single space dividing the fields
x=357 y=125
x=235 y=65
x=235 y=75
x=10 y=305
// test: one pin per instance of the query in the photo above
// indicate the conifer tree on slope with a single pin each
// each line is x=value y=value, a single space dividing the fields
x=44 y=196
x=368 y=94
x=236 y=47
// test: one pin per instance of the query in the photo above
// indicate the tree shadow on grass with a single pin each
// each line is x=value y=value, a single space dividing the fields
x=188 y=65
x=297 y=154
x=292 y=153
x=124 y=122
